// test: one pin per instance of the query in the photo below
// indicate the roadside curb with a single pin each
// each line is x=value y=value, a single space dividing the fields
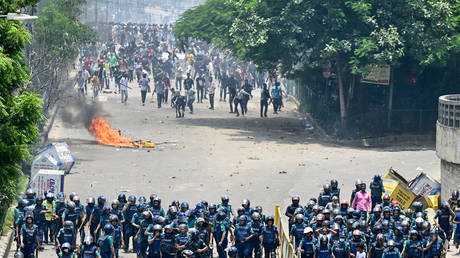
x=5 y=244
x=311 y=120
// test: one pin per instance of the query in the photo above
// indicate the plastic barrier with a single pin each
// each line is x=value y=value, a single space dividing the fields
x=286 y=248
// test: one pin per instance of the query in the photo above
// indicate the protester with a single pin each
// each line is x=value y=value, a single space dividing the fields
x=145 y=87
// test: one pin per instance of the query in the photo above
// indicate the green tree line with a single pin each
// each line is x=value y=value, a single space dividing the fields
x=419 y=38
x=33 y=57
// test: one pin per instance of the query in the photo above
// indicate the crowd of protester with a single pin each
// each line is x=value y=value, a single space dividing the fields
x=371 y=225
x=147 y=54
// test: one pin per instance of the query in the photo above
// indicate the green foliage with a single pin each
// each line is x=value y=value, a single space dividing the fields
x=58 y=33
x=298 y=36
x=20 y=110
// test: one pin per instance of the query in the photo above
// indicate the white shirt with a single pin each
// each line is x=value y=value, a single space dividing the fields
x=124 y=83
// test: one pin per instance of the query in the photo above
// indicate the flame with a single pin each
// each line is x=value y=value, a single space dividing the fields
x=104 y=134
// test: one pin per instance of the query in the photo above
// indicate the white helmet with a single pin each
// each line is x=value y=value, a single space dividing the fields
x=308 y=230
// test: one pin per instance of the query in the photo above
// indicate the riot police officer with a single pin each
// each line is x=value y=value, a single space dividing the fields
x=89 y=249
x=105 y=242
x=29 y=236
x=326 y=196
x=269 y=238
x=242 y=236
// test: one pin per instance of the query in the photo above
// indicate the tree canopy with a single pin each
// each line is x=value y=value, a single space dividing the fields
x=298 y=36
x=20 y=110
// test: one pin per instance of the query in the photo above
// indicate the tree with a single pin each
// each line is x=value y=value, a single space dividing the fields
x=298 y=36
x=57 y=35
x=20 y=110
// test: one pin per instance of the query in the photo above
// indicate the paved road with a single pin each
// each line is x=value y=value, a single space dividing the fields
x=212 y=152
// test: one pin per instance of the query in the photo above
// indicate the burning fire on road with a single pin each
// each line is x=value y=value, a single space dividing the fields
x=105 y=135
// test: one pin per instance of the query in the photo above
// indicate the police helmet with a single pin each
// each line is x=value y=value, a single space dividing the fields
x=173 y=209
x=30 y=192
x=116 y=202
x=391 y=242
x=243 y=218
x=232 y=251
x=245 y=202
x=68 y=224
x=334 y=183
x=66 y=247
x=71 y=205
x=270 y=218
x=132 y=198
x=299 y=217
x=255 y=216
x=23 y=203
x=308 y=230
x=50 y=196
x=88 y=240
x=157 y=227
x=71 y=195
x=327 y=187
x=142 y=199
x=168 y=228
x=225 y=199
x=200 y=220
x=146 y=215
x=91 y=200
x=413 y=232
x=184 y=205
x=113 y=218
x=18 y=254
x=108 y=228
x=122 y=197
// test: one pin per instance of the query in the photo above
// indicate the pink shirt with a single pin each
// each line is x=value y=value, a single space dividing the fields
x=362 y=201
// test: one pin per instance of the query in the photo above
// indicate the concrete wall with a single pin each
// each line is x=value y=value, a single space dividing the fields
x=450 y=178
x=448 y=143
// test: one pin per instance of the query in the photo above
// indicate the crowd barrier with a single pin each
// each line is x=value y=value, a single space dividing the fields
x=286 y=248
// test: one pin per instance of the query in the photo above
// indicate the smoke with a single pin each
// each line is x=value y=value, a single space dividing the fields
x=78 y=111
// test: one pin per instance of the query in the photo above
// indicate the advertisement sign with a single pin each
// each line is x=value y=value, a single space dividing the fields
x=49 y=181
x=56 y=156
x=398 y=192
x=377 y=75
x=424 y=186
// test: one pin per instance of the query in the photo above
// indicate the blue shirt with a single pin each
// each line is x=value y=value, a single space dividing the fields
x=276 y=92
x=457 y=218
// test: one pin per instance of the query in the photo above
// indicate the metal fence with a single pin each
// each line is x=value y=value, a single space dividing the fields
x=374 y=123
x=286 y=248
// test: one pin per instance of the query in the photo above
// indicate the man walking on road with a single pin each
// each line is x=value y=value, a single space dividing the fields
x=211 y=91
x=159 y=89
x=200 y=81
x=188 y=82
x=191 y=99
x=276 y=97
x=124 y=88
x=264 y=98
x=145 y=87
x=81 y=85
